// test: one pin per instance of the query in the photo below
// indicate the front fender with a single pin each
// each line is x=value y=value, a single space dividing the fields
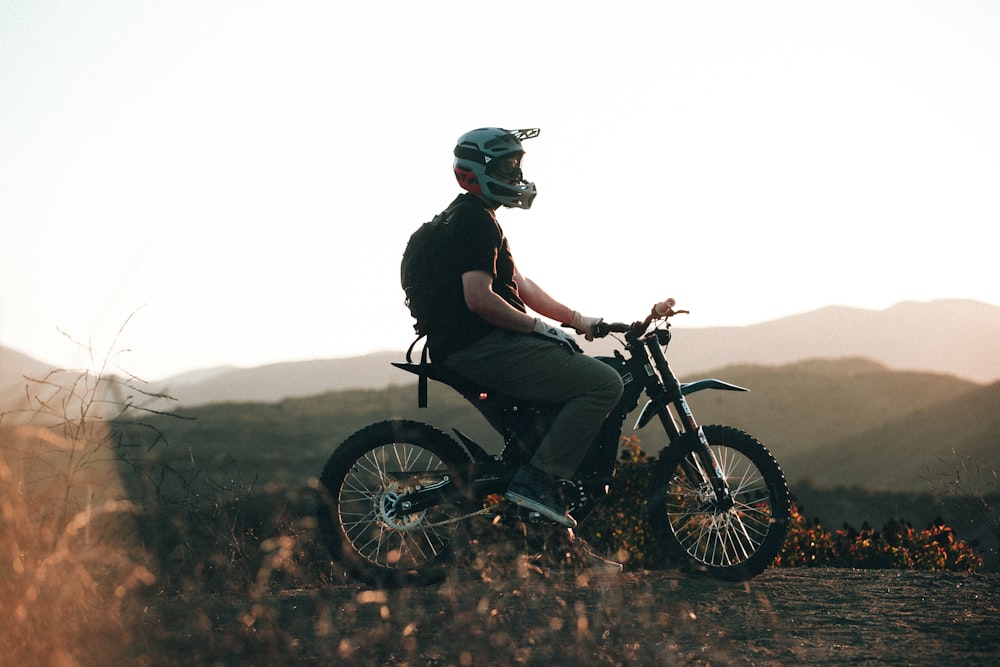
x=691 y=387
x=648 y=411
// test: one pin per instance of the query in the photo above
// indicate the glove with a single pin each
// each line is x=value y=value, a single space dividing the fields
x=585 y=325
x=554 y=333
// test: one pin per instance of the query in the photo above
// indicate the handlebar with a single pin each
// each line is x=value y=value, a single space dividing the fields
x=663 y=310
x=602 y=329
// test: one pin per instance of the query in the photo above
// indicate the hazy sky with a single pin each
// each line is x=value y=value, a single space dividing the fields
x=242 y=176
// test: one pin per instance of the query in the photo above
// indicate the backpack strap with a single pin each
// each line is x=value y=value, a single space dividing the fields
x=422 y=381
x=422 y=377
x=409 y=351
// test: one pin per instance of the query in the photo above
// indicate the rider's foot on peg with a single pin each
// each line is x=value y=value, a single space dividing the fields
x=532 y=490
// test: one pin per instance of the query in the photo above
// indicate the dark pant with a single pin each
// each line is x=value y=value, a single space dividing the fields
x=542 y=371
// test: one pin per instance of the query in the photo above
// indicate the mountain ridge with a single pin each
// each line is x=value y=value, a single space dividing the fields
x=955 y=336
x=898 y=337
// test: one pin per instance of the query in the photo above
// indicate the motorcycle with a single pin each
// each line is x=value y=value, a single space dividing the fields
x=394 y=495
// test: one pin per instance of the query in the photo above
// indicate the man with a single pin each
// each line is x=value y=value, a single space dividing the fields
x=486 y=333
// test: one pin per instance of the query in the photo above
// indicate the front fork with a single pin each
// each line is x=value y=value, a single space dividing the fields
x=710 y=467
x=673 y=395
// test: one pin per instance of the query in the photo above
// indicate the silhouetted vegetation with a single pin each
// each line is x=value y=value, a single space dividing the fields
x=619 y=528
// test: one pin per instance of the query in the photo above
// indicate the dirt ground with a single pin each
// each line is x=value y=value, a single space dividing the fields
x=528 y=615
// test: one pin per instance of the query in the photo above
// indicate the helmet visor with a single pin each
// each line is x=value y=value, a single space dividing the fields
x=506 y=169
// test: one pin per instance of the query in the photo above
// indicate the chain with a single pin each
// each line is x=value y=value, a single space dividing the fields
x=446 y=522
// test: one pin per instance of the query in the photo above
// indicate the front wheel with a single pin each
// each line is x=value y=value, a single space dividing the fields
x=736 y=540
x=361 y=515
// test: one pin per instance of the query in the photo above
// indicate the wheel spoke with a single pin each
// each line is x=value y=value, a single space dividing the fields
x=370 y=519
x=711 y=535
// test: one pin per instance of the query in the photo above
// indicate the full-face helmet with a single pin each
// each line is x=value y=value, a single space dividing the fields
x=488 y=163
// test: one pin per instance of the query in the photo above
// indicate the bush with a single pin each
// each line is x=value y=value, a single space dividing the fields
x=618 y=528
x=897 y=546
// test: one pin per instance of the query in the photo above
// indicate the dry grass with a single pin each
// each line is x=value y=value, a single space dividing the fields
x=68 y=555
x=66 y=561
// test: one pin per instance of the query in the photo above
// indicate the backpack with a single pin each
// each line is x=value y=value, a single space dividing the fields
x=419 y=271
x=418 y=275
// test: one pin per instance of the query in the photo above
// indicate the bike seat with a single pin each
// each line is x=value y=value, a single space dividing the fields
x=440 y=373
x=473 y=391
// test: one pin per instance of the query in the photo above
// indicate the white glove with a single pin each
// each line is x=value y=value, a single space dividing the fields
x=584 y=325
x=556 y=334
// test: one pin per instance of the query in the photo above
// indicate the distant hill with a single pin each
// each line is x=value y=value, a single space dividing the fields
x=21 y=376
x=951 y=337
x=854 y=422
x=14 y=367
x=807 y=404
x=835 y=423
x=275 y=382
x=954 y=440
x=955 y=337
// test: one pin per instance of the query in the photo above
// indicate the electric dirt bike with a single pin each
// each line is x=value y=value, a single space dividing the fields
x=393 y=496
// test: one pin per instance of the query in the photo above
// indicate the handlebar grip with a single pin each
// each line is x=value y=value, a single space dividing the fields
x=602 y=329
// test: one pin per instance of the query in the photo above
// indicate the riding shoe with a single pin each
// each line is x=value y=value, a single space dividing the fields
x=532 y=489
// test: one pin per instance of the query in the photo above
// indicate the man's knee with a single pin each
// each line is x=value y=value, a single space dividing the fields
x=612 y=386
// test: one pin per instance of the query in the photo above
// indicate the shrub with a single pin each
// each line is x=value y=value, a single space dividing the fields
x=618 y=528
x=897 y=546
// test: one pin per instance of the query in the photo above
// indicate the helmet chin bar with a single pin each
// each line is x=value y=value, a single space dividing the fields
x=519 y=197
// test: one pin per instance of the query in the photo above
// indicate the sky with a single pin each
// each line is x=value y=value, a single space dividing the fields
x=191 y=184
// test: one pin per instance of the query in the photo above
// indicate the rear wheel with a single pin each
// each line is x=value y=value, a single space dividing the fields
x=361 y=517
x=736 y=542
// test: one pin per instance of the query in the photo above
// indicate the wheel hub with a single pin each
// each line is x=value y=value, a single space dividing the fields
x=388 y=509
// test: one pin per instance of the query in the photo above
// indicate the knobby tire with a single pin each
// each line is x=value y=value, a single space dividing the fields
x=359 y=522
x=686 y=523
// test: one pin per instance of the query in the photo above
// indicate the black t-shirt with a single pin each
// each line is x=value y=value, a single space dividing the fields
x=473 y=241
